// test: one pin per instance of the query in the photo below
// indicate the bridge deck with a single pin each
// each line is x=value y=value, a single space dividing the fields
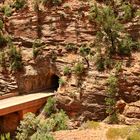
x=18 y=102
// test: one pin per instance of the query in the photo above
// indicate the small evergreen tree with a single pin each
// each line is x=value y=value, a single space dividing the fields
x=109 y=29
x=2 y=59
x=52 y=2
x=28 y=126
x=15 y=59
x=85 y=52
x=32 y=128
x=5 y=136
x=18 y=4
x=50 y=106
x=1 y=24
x=7 y=10
x=79 y=68
x=67 y=70
x=128 y=11
x=112 y=92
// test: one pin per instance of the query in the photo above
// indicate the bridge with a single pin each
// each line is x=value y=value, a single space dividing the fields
x=12 y=109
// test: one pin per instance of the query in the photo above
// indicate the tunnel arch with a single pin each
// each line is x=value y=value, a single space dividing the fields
x=54 y=82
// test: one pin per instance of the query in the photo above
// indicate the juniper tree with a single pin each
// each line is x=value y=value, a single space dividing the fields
x=108 y=29
x=85 y=52
x=112 y=92
x=15 y=58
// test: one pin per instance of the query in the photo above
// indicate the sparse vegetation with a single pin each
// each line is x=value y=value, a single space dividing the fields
x=128 y=133
x=36 y=48
x=32 y=127
x=100 y=65
x=50 y=106
x=128 y=10
x=113 y=28
x=3 y=40
x=112 y=92
x=125 y=46
x=7 y=10
x=5 y=136
x=1 y=24
x=79 y=68
x=85 y=52
x=52 y=2
x=70 y=47
x=91 y=125
x=67 y=70
x=15 y=58
x=18 y=4
x=134 y=136
x=62 y=82
x=109 y=34
x=2 y=59
x=35 y=52
x=53 y=56
x=116 y=133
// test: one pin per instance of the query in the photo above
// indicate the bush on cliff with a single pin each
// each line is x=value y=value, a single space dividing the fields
x=15 y=58
x=34 y=128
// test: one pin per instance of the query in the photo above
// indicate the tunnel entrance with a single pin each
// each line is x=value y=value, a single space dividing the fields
x=54 y=82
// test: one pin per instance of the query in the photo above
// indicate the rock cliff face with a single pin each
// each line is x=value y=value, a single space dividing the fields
x=56 y=27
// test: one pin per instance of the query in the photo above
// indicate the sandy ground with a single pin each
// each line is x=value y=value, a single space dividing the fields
x=87 y=134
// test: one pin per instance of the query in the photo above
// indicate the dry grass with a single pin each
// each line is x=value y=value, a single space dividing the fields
x=128 y=133
x=91 y=125
x=116 y=133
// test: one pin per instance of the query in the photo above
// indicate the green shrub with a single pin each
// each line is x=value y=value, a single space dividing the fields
x=134 y=136
x=52 y=2
x=32 y=128
x=61 y=82
x=28 y=126
x=100 y=63
x=60 y=120
x=108 y=63
x=112 y=92
x=5 y=136
x=70 y=47
x=125 y=46
x=84 y=51
x=1 y=24
x=3 y=41
x=2 y=59
x=15 y=59
x=118 y=66
x=91 y=125
x=50 y=106
x=35 y=52
x=79 y=68
x=109 y=29
x=116 y=133
x=93 y=12
x=18 y=4
x=53 y=56
x=67 y=70
x=37 y=43
x=42 y=136
x=36 y=47
x=128 y=11
x=55 y=122
x=7 y=10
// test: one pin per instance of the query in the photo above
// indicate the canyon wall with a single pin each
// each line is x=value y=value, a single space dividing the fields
x=82 y=98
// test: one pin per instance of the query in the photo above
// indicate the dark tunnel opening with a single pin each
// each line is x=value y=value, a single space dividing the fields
x=54 y=82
